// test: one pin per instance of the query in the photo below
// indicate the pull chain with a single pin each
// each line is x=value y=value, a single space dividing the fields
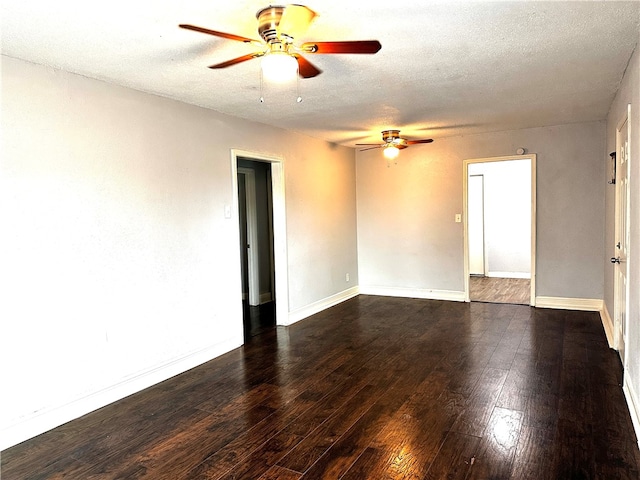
x=299 y=98
x=261 y=81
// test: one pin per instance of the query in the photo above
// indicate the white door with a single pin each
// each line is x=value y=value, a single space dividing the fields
x=475 y=212
x=622 y=238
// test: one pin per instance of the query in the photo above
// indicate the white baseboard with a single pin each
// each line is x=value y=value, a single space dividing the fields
x=52 y=417
x=607 y=323
x=320 y=305
x=634 y=405
x=450 y=295
x=509 y=274
x=585 y=304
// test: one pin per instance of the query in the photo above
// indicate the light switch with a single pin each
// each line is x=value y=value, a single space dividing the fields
x=458 y=217
x=227 y=211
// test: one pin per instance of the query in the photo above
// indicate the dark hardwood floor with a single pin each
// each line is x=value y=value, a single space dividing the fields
x=374 y=388
x=258 y=319
x=500 y=290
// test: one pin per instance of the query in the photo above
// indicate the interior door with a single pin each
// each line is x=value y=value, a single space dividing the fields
x=242 y=214
x=622 y=238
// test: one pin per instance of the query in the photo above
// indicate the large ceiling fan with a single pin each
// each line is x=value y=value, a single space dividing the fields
x=393 y=143
x=278 y=26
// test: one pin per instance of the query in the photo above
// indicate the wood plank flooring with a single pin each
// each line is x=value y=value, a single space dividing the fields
x=258 y=319
x=500 y=290
x=374 y=388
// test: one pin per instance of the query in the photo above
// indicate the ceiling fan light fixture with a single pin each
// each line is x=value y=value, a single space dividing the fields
x=391 y=152
x=278 y=26
x=279 y=67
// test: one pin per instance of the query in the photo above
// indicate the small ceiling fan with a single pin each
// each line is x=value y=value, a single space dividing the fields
x=393 y=143
x=278 y=26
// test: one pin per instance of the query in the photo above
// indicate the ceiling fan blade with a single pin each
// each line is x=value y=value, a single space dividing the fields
x=305 y=68
x=356 y=46
x=370 y=148
x=295 y=20
x=235 y=61
x=230 y=36
x=413 y=142
x=367 y=144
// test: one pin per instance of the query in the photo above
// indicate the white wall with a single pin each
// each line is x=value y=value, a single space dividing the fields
x=507 y=213
x=118 y=267
x=408 y=241
x=629 y=93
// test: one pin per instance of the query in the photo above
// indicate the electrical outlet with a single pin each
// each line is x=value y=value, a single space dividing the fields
x=347 y=277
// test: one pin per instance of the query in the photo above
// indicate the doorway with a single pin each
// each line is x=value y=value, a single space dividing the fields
x=499 y=229
x=255 y=214
x=258 y=183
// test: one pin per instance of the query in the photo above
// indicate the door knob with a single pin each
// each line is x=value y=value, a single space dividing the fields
x=615 y=259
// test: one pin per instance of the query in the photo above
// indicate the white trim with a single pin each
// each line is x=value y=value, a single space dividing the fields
x=450 y=295
x=585 y=304
x=320 y=305
x=485 y=257
x=279 y=226
x=607 y=324
x=534 y=206
x=509 y=274
x=633 y=402
x=532 y=157
x=281 y=262
x=272 y=265
x=44 y=420
x=619 y=340
x=253 y=256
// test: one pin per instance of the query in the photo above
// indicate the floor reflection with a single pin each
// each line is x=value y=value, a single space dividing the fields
x=258 y=319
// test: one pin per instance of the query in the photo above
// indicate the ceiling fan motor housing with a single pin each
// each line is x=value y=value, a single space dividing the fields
x=392 y=138
x=268 y=21
x=390 y=135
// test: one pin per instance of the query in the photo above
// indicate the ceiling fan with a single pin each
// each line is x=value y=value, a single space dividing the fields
x=278 y=26
x=393 y=143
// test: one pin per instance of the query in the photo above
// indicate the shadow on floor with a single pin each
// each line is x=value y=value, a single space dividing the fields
x=258 y=319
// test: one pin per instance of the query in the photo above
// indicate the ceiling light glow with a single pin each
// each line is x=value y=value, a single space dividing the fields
x=279 y=67
x=391 y=152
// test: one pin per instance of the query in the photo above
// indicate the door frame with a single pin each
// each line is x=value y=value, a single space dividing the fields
x=281 y=284
x=532 y=157
x=617 y=291
x=484 y=244
x=253 y=277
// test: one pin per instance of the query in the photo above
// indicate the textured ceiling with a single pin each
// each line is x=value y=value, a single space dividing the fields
x=445 y=68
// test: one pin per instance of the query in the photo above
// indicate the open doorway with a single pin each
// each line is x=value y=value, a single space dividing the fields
x=255 y=216
x=279 y=293
x=499 y=205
